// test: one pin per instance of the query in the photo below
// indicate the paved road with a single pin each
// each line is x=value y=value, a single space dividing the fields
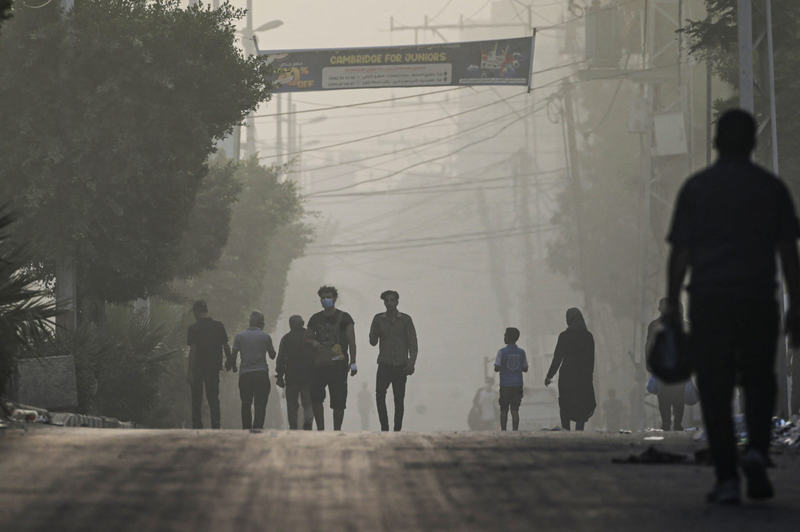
x=180 y=480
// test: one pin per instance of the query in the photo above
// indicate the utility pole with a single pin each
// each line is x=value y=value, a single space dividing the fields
x=250 y=145
x=290 y=125
x=665 y=100
x=757 y=95
x=66 y=268
x=279 y=133
x=577 y=192
x=577 y=199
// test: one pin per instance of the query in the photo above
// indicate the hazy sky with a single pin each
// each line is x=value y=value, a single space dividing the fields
x=321 y=24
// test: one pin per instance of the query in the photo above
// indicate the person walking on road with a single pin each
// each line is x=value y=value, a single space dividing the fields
x=332 y=333
x=511 y=363
x=671 y=397
x=396 y=358
x=206 y=339
x=364 y=406
x=574 y=355
x=253 y=344
x=294 y=367
x=729 y=222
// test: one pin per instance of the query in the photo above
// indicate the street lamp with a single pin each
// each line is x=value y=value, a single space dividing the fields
x=251 y=45
x=271 y=25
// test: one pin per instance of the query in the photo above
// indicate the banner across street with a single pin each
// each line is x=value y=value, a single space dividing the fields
x=495 y=62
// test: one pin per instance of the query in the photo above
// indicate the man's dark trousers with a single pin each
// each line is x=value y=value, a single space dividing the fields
x=734 y=340
x=396 y=376
x=209 y=379
x=254 y=387
x=671 y=401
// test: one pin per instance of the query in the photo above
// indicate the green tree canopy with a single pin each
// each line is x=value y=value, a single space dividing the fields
x=267 y=234
x=716 y=40
x=107 y=119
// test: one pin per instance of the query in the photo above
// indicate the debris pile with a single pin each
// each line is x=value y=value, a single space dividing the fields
x=786 y=433
x=14 y=412
x=652 y=456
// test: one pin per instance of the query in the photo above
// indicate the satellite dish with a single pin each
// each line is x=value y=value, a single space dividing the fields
x=271 y=25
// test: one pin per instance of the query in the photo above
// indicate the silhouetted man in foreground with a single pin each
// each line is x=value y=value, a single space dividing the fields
x=728 y=223
x=206 y=340
x=396 y=358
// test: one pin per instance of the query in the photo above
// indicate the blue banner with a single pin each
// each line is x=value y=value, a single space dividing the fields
x=495 y=62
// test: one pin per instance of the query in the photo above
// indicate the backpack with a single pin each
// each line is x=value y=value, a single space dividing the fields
x=325 y=356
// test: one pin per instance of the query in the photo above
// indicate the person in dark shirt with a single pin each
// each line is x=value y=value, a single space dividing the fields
x=294 y=367
x=396 y=358
x=729 y=222
x=332 y=334
x=206 y=340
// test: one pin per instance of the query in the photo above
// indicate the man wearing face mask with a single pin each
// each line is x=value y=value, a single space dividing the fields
x=332 y=333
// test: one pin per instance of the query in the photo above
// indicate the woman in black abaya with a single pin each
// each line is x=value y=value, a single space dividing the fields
x=575 y=356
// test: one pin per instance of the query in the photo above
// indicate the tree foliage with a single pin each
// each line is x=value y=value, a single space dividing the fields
x=107 y=121
x=716 y=41
x=25 y=311
x=601 y=262
x=120 y=366
x=267 y=234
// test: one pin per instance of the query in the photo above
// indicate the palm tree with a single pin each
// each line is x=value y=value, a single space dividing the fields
x=26 y=308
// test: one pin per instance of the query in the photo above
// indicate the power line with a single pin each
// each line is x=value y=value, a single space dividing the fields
x=546 y=85
x=493 y=135
x=440 y=241
x=448 y=187
x=394 y=99
x=478 y=11
x=441 y=11
x=361 y=103
x=594 y=12
x=397 y=130
x=424 y=145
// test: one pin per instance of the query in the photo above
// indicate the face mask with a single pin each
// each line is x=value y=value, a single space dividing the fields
x=327 y=303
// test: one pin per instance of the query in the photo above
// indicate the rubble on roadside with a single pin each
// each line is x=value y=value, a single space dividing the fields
x=652 y=456
x=28 y=414
x=786 y=433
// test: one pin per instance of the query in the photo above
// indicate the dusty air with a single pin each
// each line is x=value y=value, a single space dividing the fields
x=399 y=266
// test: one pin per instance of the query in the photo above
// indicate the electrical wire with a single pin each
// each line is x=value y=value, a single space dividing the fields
x=546 y=85
x=478 y=11
x=360 y=103
x=493 y=135
x=422 y=146
x=595 y=12
x=435 y=241
x=396 y=130
x=449 y=187
x=441 y=11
